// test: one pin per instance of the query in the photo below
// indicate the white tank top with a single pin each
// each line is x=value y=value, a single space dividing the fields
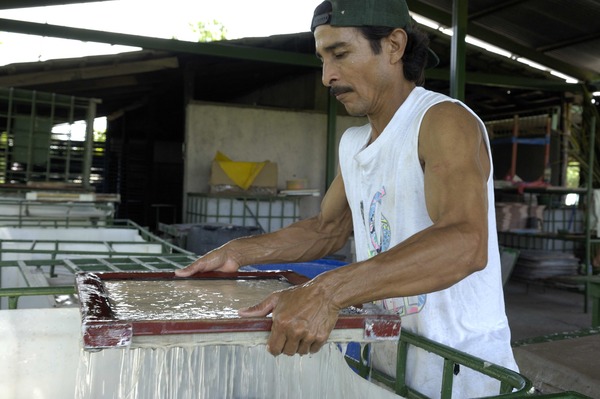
x=385 y=189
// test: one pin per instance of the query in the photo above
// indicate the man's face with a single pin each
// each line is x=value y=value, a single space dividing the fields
x=357 y=78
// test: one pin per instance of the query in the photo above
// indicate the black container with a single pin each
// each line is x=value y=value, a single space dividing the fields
x=203 y=238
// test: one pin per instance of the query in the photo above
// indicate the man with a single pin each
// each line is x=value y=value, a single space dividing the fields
x=416 y=188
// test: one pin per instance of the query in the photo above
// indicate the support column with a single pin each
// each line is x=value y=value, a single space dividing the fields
x=331 y=164
x=458 y=56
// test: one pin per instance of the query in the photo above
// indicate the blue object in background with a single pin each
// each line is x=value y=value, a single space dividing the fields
x=308 y=269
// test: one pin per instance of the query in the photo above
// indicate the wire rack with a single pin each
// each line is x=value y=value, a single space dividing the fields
x=47 y=267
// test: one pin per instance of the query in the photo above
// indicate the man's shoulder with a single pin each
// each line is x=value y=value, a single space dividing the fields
x=422 y=101
x=451 y=109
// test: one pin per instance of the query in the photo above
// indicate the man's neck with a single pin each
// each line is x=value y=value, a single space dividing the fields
x=382 y=119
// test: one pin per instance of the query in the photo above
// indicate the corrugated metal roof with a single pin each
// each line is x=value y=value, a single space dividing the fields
x=565 y=31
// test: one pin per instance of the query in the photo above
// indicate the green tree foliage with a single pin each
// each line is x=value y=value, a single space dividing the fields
x=209 y=31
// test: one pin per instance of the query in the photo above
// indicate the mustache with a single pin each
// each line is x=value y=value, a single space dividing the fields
x=337 y=90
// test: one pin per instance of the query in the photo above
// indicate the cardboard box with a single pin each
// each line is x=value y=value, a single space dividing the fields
x=265 y=182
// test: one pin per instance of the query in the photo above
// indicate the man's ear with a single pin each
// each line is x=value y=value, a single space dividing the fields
x=396 y=43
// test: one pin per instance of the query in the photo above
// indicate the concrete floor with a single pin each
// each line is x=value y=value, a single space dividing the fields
x=562 y=364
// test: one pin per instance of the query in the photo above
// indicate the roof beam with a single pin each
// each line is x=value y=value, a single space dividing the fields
x=499 y=5
x=573 y=41
x=210 y=48
x=507 y=81
x=9 y=4
x=88 y=72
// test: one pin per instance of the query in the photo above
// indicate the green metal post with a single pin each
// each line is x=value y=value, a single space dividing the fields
x=70 y=146
x=331 y=166
x=458 y=56
x=400 y=386
x=49 y=153
x=89 y=143
x=447 y=379
x=589 y=203
x=13 y=302
x=13 y=294
x=32 y=129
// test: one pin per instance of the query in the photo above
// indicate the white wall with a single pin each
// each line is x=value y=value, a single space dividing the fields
x=296 y=141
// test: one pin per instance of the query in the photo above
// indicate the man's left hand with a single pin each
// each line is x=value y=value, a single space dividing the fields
x=303 y=318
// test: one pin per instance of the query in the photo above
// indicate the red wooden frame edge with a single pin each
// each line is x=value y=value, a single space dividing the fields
x=102 y=329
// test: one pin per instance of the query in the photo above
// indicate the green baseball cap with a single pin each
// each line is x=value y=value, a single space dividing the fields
x=357 y=13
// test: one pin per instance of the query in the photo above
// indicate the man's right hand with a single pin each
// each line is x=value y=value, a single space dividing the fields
x=220 y=259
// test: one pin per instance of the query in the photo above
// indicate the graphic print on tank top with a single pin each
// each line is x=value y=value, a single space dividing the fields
x=380 y=233
x=379 y=240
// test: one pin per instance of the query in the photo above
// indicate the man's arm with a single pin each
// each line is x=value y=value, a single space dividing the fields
x=456 y=168
x=305 y=240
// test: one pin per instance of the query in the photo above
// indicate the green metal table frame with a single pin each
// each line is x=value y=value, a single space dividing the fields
x=47 y=267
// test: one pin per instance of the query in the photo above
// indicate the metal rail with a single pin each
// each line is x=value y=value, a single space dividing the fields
x=36 y=246
x=22 y=212
x=36 y=272
x=148 y=236
x=512 y=384
x=101 y=255
x=55 y=248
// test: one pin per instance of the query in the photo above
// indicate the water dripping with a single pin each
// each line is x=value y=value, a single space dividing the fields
x=218 y=371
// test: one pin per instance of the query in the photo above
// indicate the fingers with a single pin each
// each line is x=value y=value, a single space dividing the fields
x=303 y=347
x=259 y=310
x=295 y=329
x=193 y=268
x=306 y=346
x=186 y=272
x=288 y=345
x=288 y=337
x=296 y=338
x=276 y=343
x=220 y=259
